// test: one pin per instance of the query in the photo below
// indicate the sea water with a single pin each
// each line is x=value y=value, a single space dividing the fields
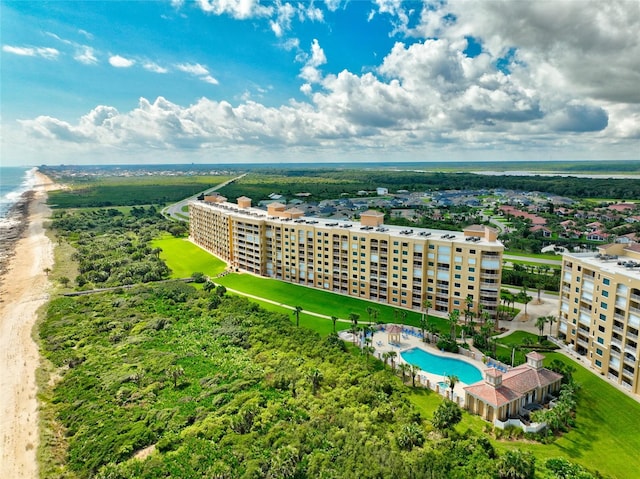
x=13 y=182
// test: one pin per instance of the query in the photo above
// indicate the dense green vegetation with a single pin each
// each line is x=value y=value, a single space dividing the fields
x=117 y=191
x=330 y=184
x=113 y=247
x=234 y=391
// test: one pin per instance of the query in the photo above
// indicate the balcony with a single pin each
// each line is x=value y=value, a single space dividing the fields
x=615 y=342
x=583 y=343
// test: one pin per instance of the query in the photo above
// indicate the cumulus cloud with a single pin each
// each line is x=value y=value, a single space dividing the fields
x=240 y=9
x=279 y=14
x=530 y=86
x=120 y=62
x=42 y=52
x=310 y=72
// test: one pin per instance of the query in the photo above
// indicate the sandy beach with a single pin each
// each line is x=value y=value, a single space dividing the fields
x=23 y=291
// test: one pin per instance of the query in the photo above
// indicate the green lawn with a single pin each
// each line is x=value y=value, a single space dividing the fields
x=318 y=301
x=184 y=258
x=606 y=434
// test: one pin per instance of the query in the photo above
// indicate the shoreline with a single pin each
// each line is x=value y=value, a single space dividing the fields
x=24 y=288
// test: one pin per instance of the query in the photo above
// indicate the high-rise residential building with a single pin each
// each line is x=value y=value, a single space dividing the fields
x=600 y=310
x=366 y=259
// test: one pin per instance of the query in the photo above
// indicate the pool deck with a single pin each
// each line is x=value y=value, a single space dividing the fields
x=408 y=341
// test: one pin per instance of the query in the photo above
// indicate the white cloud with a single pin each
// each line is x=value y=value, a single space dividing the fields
x=198 y=70
x=154 y=67
x=86 y=55
x=310 y=72
x=43 y=52
x=209 y=79
x=120 y=62
x=192 y=68
x=561 y=90
x=279 y=13
x=240 y=9
x=86 y=34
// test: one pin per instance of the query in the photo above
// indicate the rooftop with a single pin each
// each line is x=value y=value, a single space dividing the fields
x=355 y=226
x=614 y=258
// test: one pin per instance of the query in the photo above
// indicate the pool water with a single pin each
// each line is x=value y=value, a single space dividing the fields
x=442 y=366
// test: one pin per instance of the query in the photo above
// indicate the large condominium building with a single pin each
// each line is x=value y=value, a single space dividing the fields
x=393 y=265
x=600 y=310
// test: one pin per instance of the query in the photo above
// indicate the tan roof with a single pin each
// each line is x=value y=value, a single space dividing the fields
x=515 y=383
x=536 y=356
x=524 y=378
x=294 y=210
x=243 y=198
x=475 y=228
x=394 y=328
x=633 y=247
x=493 y=396
x=372 y=213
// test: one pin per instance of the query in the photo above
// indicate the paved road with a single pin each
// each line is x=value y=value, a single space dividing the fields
x=175 y=212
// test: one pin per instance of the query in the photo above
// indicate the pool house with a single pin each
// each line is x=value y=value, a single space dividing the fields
x=506 y=398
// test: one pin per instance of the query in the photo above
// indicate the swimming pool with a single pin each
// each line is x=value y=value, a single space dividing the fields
x=442 y=366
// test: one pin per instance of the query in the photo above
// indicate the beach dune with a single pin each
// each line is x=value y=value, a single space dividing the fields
x=23 y=291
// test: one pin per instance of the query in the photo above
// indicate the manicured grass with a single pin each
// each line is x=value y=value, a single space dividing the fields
x=554 y=257
x=606 y=433
x=184 y=258
x=322 y=302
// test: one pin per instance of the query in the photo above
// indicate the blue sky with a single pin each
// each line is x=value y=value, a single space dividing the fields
x=227 y=81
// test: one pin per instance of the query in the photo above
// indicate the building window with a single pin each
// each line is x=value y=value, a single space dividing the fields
x=599 y=351
x=600 y=340
x=605 y=294
x=603 y=317
x=598 y=363
x=603 y=305
x=606 y=281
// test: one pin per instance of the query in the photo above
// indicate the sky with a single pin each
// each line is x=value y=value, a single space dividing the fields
x=249 y=81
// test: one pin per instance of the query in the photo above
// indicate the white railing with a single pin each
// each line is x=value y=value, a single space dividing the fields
x=533 y=427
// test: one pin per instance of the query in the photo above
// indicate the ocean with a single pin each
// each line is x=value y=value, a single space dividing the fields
x=13 y=182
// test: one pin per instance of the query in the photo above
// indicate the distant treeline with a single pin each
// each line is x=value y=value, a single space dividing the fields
x=330 y=184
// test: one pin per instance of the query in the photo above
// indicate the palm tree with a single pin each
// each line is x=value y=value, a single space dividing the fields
x=454 y=316
x=334 y=319
x=551 y=319
x=368 y=350
x=404 y=369
x=353 y=317
x=468 y=301
x=314 y=375
x=414 y=372
x=392 y=356
x=385 y=357
x=453 y=380
x=425 y=316
x=175 y=373
x=432 y=329
x=374 y=314
x=524 y=298
x=423 y=325
x=297 y=311
x=370 y=311
x=540 y=322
